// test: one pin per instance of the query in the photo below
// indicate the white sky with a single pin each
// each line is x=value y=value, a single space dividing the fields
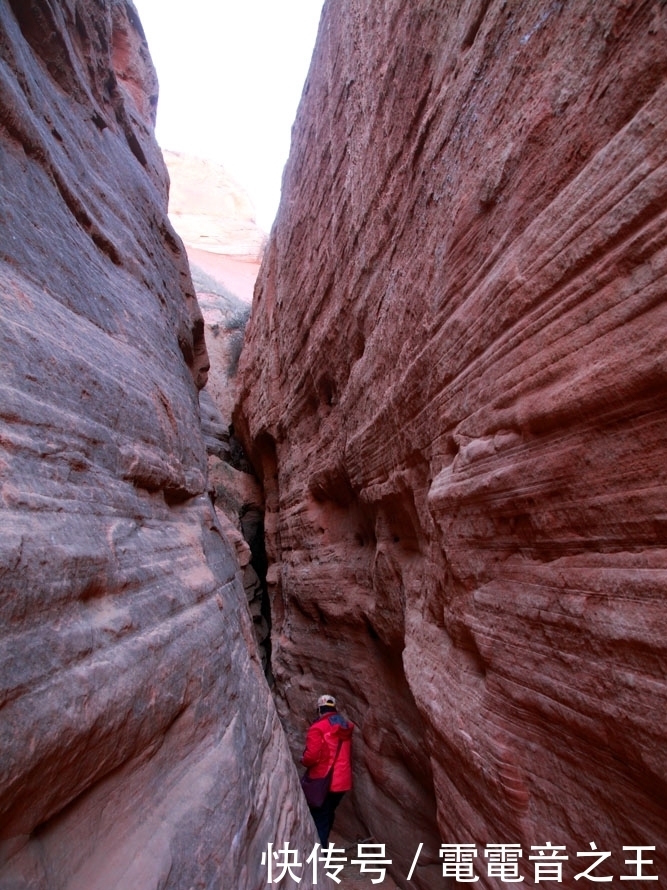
x=231 y=74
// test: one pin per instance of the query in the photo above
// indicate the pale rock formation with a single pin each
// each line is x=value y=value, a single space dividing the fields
x=454 y=391
x=139 y=744
x=212 y=210
x=216 y=220
x=215 y=217
x=209 y=209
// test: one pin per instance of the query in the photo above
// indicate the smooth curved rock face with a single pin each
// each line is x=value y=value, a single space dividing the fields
x=139 y=744
x=455 y=390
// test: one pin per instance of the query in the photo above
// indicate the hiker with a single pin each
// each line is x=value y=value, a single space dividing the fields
x=328 y=751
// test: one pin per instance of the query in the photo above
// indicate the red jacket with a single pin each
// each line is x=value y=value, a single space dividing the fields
x=321 y=744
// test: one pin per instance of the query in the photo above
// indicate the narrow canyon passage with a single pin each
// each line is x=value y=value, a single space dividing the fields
x=430 y=483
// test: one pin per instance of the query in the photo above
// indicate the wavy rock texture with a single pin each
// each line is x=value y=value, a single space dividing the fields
x=455 y=391
x=140 y=747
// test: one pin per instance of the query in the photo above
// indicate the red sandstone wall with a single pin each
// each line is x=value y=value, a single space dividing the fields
x=139 y=747
x=455 y=391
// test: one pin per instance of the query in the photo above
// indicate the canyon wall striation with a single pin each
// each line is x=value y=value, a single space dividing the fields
x=139 y=745
x=215 y=219
x=454 y=390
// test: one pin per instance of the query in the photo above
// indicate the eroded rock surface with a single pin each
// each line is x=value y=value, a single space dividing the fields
x=455 y=393
x=215 y=218
x=139 y=744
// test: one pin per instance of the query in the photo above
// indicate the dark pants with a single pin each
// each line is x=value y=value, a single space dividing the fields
x=324 y=816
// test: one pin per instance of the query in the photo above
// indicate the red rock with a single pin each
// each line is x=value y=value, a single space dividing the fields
x=140 y=747
x=454 y=390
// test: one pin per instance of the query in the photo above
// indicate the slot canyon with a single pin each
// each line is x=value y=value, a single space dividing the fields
x=432 y=483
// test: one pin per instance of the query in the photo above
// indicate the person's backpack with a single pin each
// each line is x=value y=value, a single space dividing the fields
x=316 y=790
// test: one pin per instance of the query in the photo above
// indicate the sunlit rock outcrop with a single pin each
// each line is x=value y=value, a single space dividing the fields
x=455 y=392
x=139 y=744
x=210 y=209
x=215 y=217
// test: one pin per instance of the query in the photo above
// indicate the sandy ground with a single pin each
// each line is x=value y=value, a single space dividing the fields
x=236 y=273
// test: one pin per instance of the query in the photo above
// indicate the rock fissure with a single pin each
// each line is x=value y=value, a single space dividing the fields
x=441 y=497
